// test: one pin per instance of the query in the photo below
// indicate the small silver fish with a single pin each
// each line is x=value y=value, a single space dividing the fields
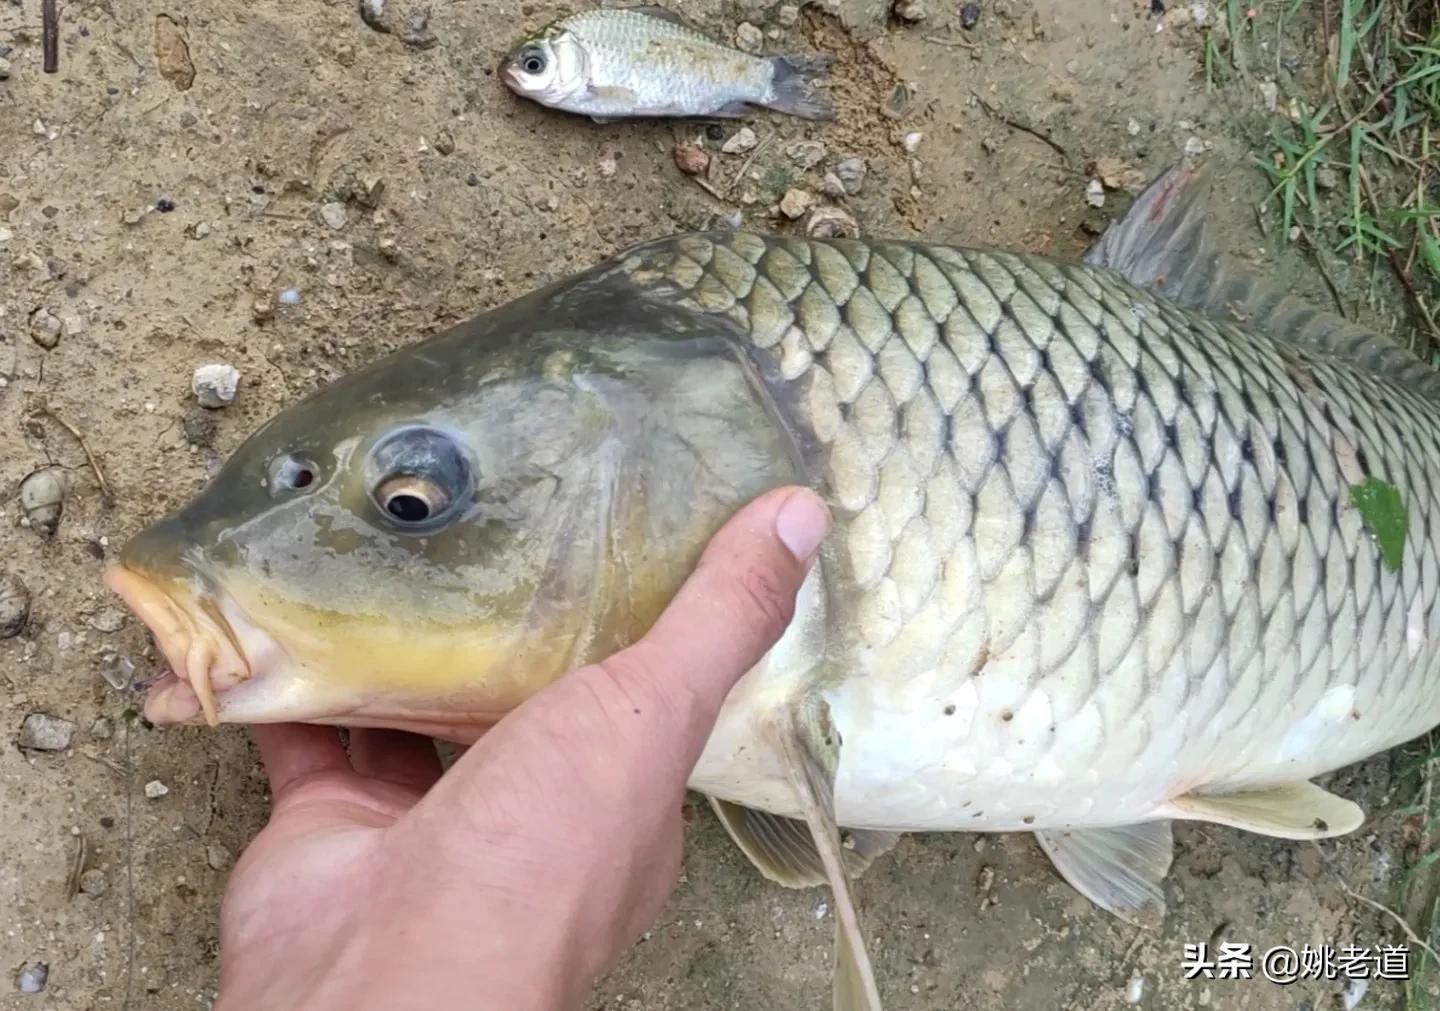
x=647 y=61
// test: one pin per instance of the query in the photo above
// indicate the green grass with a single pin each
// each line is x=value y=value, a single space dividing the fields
x=1374 y=140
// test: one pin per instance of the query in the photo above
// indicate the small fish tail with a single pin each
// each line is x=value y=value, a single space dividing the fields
x=793 y=86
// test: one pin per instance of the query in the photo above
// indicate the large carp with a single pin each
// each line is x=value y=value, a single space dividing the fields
x=1116 y=542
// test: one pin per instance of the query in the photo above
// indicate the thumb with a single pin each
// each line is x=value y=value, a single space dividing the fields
x=733 y=608
x=652 y=705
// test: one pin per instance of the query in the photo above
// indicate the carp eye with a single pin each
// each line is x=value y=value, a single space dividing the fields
x=532 y=61
x=290 y=473
x=418 y=477
x=412 y=499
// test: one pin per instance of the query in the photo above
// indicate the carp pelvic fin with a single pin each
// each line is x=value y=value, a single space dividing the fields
x=783 y=849
x=1161 y=244
x=1119 y=869
x=1293 y=811
x=811 y=750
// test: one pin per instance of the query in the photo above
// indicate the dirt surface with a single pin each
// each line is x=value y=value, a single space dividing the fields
x=161 y=190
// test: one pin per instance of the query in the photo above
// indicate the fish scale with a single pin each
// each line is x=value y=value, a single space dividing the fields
x=1072 y=512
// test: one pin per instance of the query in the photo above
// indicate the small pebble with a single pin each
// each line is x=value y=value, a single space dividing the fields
x=740 y=141
x=334 y=215
x=118 y=671
x=748 y=38
x=832 y=223
x=199 y=427
x=107 y=620
x=832 y=187
x=1095 y=193
x=910 y=10
x=1269 y=95
x=1133 y=128
x=215 y=385
x=372 y=12
x=45 y=328
x=1326 y=178
x=164 y=205
x=444 y=143
x=796 y=202
x=911 y=141
x=969 y=15
x=102 y=729
x=42 y=499
x=851 y=172
x=806 y=153
x=217 y=856
x=5 y=234
x=692 y=159
x=43 y=732
x=198 y=230
x=787 y=15
x=4 y=69
x=14 y=606
x=31 y=978
x=156 y=789
x=1135 y=989
x=93 y=883
x=1195 y=146
x=290 y=296
x=1354 y=992
x=472 y=180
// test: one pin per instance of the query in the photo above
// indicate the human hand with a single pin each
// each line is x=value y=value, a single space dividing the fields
x=516 y=879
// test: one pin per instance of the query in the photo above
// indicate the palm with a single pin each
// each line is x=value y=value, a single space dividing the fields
x=307 y=872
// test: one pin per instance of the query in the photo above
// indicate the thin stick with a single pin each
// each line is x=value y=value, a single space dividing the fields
x=748 y=162
x=704 y=184
x=958 y=43
x=1404 y=925
x=50 y=27
x=94 y=464
x=1038 y=134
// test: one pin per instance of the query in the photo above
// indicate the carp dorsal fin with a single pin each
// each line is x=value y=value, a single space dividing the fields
x=810 y=746
x=1162 y=244
x=783 y=849
x=1119 y=869
x=1292 y=811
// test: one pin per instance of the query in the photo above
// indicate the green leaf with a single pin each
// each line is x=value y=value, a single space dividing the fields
x=1384 y=516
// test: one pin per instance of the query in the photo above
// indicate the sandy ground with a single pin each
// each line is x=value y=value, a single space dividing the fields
x=157 y=223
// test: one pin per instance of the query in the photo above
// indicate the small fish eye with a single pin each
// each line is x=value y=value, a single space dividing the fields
x=532 y=61
x=417 y=477
x=290 y=473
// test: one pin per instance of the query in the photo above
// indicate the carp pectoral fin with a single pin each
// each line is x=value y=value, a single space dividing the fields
x=811 y=750
x=1293 y=811
x=730 y=110
x=784 y=849
x=1118 y=869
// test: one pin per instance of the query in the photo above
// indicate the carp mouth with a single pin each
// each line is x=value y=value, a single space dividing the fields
x=197 y=633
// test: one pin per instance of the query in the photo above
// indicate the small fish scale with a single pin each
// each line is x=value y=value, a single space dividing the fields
x=1060 y=497
x=659 y=61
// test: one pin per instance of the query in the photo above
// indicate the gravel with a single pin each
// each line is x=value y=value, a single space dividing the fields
x=215 y=385
x=43 y=732
x=14 y=606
